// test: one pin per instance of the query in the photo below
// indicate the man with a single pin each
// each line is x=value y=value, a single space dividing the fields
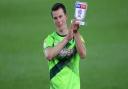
x=63 y=49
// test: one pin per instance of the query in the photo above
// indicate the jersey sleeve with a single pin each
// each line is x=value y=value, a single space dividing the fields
x=48 y=42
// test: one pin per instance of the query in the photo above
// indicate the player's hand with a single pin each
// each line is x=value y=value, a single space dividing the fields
x=69 y=35
x=75 y=26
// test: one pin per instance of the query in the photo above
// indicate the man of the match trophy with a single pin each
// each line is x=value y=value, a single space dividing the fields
x=80 y=12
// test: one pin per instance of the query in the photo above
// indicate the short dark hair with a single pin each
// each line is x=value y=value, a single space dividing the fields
x=57 y=6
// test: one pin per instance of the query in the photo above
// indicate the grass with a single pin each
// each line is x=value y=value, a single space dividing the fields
x=24 y=25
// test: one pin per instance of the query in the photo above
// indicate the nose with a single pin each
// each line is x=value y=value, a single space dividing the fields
x=58 y=20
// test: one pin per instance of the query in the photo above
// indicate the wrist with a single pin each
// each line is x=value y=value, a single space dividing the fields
x=75 y=31
x=66 y=39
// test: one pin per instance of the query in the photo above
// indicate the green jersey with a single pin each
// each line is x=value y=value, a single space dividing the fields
x=64 y=68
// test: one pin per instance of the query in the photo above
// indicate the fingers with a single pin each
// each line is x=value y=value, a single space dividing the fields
x=75 y=22
x=75 y=25
x=69 y=35
x=73 y=29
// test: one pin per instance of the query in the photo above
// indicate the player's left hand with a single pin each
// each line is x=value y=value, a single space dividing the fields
x=75 y=26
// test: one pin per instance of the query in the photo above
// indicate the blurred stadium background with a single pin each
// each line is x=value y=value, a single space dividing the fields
x=25 y=23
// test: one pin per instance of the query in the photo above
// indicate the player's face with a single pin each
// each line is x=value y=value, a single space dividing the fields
x=59 y=18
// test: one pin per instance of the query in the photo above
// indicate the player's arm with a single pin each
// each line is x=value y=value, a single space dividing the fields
x=51 y=52
x=79 y=43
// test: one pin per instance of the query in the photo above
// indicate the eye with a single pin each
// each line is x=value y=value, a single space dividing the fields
x=55 y=18
x=60 y=16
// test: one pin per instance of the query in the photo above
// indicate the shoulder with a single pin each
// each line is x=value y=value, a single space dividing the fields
x=49 y=40
x=50 y=36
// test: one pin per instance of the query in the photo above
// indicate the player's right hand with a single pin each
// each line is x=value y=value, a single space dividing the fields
x=75 y=25
x=70 y=35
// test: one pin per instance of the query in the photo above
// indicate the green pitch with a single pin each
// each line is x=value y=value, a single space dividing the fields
x=25 y=23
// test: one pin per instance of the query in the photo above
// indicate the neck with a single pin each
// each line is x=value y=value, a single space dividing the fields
x=63 y=31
